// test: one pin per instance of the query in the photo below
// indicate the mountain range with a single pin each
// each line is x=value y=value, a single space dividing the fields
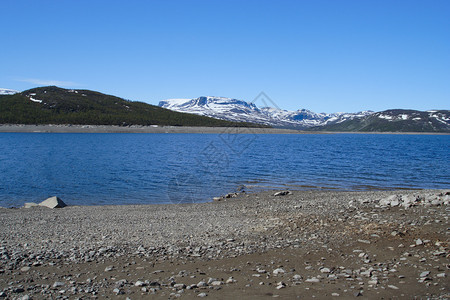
x=53 y=105
x=395 y=120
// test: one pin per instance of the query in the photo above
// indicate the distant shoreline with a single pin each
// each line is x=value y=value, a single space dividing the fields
x=11 y=128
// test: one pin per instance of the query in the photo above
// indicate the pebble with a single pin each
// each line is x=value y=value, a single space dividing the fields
x=58 y=284
x=392 y=287
x=109 y=268
x=278 y=271
x=139 y=283
x=424 y=274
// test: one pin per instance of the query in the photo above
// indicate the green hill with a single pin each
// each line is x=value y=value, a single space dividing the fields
x=54 y=105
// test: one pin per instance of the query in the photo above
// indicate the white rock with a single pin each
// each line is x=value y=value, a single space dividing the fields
x=297 y=277
x=392 y=287
x=109 y=268
x=424 y=274
x=202 y=295
x=139 y=283
x=58 y=284
x=312 y=280
x=278 y=271
x=216 y=283
x=230 y=280
x=179 y=286
x=441 y=275
x=325 y=270
x=53 y=202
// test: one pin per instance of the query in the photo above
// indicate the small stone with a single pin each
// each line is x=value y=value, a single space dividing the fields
x=139 y=283
x=18 y=290
x=364 y=241
x=357 y=294
x=281 y=285
x=419 y=242
x=230 y=280
x=282 y=193
x=325 y=270
x=202 y=284
x=312 y=280
x=202 y=295
x=297 y=277
x=278 y=271
x=30 y=205
x=58 y=284
x=441 y=275
x=335 y=294
x=3 y=295
x=216 y=283
x=424 y=274
x=109 y=268
x=179 y=286
x=25 y=269
x=392 y=287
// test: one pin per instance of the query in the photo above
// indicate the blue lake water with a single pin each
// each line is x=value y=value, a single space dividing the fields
x=100 y=169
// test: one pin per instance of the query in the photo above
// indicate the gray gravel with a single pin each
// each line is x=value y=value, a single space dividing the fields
x=228 y=227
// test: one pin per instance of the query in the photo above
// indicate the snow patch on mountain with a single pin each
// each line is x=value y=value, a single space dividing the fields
x=8 y=92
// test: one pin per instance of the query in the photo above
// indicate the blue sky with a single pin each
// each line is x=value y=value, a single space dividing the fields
x=322 y=55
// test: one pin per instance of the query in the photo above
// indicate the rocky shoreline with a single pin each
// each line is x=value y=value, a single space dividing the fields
x=68 y=128
x=299 y=244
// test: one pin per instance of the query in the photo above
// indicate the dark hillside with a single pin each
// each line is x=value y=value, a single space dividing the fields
x=53 y=105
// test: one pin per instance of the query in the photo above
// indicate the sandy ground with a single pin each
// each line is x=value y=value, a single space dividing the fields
x=303 y=245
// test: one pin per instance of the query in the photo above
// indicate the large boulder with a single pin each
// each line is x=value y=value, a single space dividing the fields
x=53 y=202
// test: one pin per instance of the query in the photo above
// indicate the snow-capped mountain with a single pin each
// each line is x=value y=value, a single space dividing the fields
x=241 y=111
x=8 y=92
x=396 y=120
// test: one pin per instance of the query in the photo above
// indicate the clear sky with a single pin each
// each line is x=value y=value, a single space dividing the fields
x=322 y=55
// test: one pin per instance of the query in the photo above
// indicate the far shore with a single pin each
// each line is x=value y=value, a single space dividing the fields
x=172 y=129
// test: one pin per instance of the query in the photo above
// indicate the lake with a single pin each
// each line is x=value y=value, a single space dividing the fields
x=125 y=168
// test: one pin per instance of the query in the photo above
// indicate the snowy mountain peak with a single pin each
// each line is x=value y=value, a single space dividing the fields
x=8 y=92
x=242 y=111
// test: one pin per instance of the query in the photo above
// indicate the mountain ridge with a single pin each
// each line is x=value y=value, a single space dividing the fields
x=239 y=110
x=394 y=120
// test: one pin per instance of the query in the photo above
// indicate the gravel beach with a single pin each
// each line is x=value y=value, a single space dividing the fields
x=142 y=129
x=299 y=244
